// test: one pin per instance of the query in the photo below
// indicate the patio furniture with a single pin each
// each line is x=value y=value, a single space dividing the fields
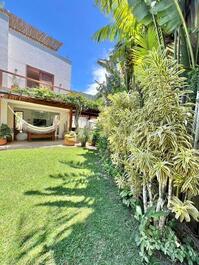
x=50 y=135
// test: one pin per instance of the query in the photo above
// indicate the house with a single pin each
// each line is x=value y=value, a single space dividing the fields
x=30 y=58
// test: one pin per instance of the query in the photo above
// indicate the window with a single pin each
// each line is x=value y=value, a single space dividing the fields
x=39 y=78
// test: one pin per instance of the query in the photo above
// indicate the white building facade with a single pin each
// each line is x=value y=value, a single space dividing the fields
x=18 y=52
x=31 y=55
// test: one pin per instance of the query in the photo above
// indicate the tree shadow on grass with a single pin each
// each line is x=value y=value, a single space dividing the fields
x=85 y=224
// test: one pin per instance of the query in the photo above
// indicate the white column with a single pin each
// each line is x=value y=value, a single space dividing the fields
x=63 y=124
x=4 y=112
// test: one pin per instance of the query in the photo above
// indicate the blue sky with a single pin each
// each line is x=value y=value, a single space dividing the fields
x=73 y=22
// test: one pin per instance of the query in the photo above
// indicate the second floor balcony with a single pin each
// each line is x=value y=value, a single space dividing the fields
x=35 y=78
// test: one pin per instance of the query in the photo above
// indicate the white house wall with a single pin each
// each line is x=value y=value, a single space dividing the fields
x=18 y=51
x=4 y=28
x=23 y=52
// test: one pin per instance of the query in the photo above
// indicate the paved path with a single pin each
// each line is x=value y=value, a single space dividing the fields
x=36 y=144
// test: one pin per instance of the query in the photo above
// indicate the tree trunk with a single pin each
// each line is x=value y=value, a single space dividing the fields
x=162 y=222
x=144 y=197
x=77 y=115
x=160 y=199
x=149 y=186
x=169 y=192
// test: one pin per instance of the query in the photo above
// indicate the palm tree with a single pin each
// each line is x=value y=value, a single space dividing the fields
x=179 y=19
x=113 y=78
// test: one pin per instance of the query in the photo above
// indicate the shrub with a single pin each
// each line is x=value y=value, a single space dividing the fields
x=83 y=136
x=148 y=137
x=94 y=136
x=5 y=131
x=150 y=240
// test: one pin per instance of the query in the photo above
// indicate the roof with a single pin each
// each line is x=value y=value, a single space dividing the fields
x=31 y=32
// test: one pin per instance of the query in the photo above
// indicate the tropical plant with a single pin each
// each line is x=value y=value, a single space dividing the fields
x=184 y=210
x=113 y=78
x=5 y=131
x=152 y=142
x=83 y=135
x=150 y=240
x=168 y=17
x=94 y=136
x=148 y=128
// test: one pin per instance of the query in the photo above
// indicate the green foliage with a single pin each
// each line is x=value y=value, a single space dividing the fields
x=150 y=240
x=148 y=129
x=83 y=135
x=75 y=99
x=5 y=131
x=151 y=143
x=184 y=210
x=167 y=15
x=114 y=81
x=193 y=82
x=94 y=136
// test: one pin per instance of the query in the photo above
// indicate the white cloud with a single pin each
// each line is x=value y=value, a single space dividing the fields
x=99 y=76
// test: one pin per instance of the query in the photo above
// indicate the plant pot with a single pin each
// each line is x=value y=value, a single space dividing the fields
x=70 y=141
x=9 y=138
x=83 y=144
x=3 y=141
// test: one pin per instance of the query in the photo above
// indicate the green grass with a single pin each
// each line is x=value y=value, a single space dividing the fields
x=56 y=207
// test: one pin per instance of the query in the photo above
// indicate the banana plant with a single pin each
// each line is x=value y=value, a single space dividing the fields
x=169 y=17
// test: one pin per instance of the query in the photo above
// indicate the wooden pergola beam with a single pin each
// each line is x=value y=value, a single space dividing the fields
x=31 y=32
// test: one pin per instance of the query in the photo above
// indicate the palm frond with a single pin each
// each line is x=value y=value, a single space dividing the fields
x=110 y=32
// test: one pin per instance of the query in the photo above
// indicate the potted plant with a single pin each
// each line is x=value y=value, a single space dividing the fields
x=83 y=136
x=95 y=137
x=70 y=138
x=5 y=133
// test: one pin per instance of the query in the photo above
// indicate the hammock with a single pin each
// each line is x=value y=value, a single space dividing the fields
x=27 y=127
x=23 y=125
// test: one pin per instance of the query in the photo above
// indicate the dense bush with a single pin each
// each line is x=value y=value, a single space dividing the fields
x=5 y=131
x=151 y=145
x=83 y=135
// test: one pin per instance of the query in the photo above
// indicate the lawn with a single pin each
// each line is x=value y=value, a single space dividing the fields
x=58 y=208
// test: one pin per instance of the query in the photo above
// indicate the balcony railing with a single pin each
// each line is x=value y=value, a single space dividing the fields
x=10 y=80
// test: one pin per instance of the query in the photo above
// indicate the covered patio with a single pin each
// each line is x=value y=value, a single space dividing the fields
x=35 y=112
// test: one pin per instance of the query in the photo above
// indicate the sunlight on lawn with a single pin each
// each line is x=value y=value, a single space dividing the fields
x=57 y=209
